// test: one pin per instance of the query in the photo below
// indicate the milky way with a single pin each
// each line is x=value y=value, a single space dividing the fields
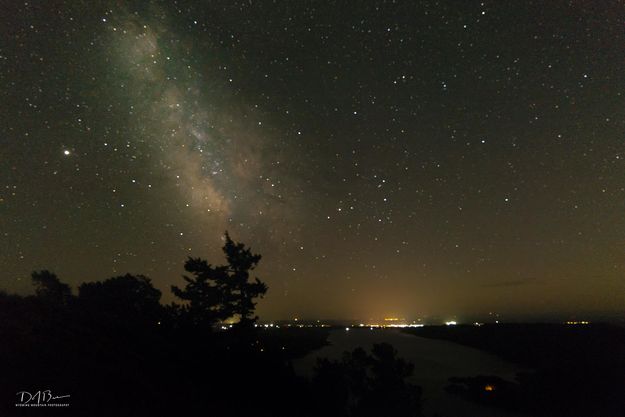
x=406 y=159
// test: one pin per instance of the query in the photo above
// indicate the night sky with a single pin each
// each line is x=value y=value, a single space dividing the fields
x=385 y=158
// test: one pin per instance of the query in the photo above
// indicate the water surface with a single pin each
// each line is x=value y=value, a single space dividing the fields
x=435 y=361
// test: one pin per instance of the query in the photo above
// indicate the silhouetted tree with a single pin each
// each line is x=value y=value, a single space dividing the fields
x=366 y=385
x=128 y=297
x=216 y=293
x=205 y=293
x=242 y=291
x=391 y=395
x=49 y=288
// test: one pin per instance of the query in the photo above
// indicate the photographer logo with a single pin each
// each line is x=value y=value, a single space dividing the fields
x=41 y=399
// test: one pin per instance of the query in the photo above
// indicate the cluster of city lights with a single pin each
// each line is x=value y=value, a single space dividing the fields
x=267 y=325
x=388 y=323
x=392 y=325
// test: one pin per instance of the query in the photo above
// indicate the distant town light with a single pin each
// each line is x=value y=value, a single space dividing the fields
x=450 y=323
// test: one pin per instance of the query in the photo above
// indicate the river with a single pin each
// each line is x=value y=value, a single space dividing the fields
x=435 y=361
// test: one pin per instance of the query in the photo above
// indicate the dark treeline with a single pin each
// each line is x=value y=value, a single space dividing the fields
x=572 y=371
x=116 y=350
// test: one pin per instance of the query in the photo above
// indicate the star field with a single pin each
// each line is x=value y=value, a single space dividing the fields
x=386 y=158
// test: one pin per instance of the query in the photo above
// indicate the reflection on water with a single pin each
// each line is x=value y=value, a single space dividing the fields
x=434 y=360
